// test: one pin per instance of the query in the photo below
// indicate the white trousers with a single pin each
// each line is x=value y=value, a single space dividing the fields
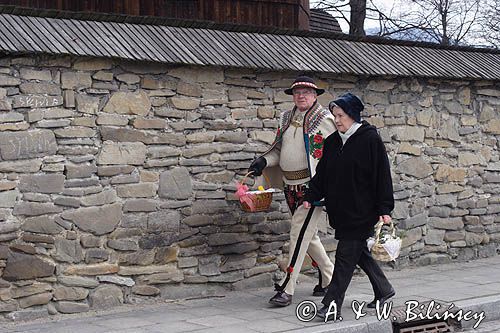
x=308 y=240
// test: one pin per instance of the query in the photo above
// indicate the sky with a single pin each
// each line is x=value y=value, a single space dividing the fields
x=382 y=4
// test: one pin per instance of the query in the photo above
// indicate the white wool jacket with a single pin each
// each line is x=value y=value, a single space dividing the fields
x=318 y=125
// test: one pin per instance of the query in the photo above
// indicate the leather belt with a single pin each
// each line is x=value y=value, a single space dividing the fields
x=296 y=175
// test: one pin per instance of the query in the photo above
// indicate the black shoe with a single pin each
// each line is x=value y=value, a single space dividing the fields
x=281 y=299
x=382 y=300
x=319 y=291
x=324 y=310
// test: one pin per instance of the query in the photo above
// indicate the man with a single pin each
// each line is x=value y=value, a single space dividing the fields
x=292 y=160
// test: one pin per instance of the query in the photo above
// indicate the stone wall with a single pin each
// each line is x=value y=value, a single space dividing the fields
x=117 y=179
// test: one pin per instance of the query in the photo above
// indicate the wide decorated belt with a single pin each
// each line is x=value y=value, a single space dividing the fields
x=296 y=175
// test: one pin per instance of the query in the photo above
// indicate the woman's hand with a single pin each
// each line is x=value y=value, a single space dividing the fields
x=386 y=218
x=306 y=204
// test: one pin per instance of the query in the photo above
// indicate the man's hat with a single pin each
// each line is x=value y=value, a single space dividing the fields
x=304 y=82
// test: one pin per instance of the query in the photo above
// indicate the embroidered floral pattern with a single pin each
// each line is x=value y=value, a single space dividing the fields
x=316 y=142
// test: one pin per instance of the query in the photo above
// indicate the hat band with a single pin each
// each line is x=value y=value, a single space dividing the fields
x=304 y=84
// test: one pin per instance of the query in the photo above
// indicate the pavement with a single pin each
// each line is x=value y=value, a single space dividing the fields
x=472 y=287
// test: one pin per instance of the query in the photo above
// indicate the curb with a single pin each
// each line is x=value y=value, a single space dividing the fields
x=489 y=304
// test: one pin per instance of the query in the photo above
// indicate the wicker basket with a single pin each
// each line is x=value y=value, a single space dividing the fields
x=261 y=201
x=378 y=251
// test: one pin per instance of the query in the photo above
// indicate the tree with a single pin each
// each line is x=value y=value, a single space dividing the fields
x=338 y=8
x=490 y=23
x=447 y=22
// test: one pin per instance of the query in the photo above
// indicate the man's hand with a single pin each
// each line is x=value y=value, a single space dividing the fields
x=306 y=204
x=386 y=218
x=257 y=166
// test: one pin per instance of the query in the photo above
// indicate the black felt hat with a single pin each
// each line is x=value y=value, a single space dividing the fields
x=304 y=82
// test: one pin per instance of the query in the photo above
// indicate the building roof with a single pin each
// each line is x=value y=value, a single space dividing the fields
x=320 y=20
x=236 y=46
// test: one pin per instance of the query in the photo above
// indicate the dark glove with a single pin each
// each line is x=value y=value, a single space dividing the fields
x=257 y=166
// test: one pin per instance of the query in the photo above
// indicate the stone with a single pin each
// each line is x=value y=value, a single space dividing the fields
x=93 y=256
x=162 y=278
x=37 y=143
x=416 y=167
x=107 y=196
x=133 y=153
x=143 y=123
x=164 y=221
x=68 y=251
x=71 y=307
x=6 y=80
x=189 y=89
x=71 y=80
x=406 y=148
x=35 y=209
x=22 y=266
x=95 y=269
x=137 y=258
x=128 y=78
x=103 y=76
x=411 y=237
x=123 y=244
x=183 y=103
x=142 y=190
x=451 y=174
x=449 y=188
x=39 y=299
x=8 y=199
x=198 y=220
x=434 y=237
x=165 y=255
x=111 y=119
x=145 y=290
x=75 y=132
x=118 y=280
x=96 y=220
x=45 y=183
x=195 y=75
x=11 y=117
x=380 y=85
x=63 y=293
x=228 y=238
x=171 y=270
x=40 y=88
x=232 y=137
x=92 y=64
x=493 y=127
x=256 y=281
x=129 y=103
x=106 y=296
x=87 y=104
x=31 y=74
x=130 y=135
x=413 y=222
x=77 y=281
x=41 y=225
x=468 y=159
x=140 y=205
x=410 y=133
x=454 y=223
x=175 y=184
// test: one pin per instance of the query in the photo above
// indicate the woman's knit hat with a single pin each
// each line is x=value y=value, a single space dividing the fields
x=351 y=105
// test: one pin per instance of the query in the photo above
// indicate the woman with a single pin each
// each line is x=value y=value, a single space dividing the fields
x=354 y=178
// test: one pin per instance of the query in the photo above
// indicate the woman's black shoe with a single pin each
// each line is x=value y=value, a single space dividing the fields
x=382 y=300
x=319 y=291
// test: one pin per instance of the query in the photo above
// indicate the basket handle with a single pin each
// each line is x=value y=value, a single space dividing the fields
x=248 y=174
x=378 y=230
